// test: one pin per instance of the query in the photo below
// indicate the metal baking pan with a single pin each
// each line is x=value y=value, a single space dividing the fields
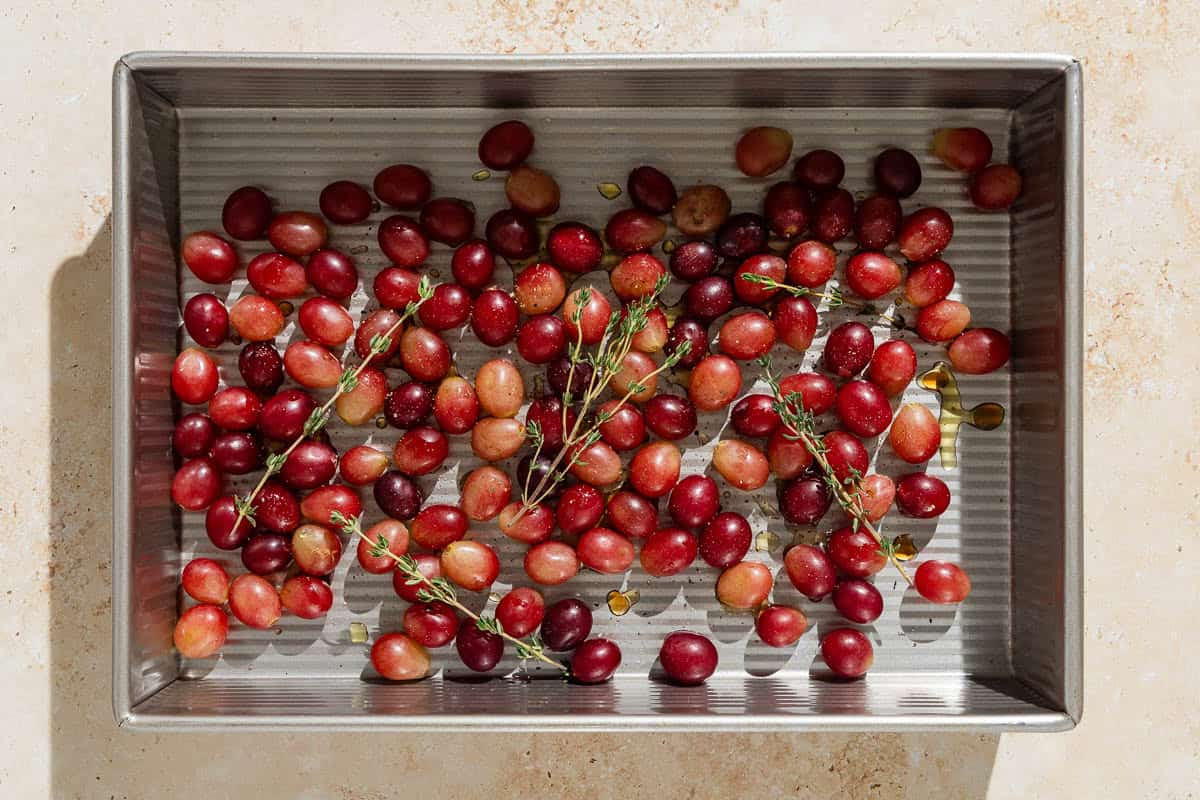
x=188 y=128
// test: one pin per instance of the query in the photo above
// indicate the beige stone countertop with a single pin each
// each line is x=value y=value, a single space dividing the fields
x=1140 y=735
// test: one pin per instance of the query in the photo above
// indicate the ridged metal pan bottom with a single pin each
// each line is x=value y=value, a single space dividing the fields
x=293 y=153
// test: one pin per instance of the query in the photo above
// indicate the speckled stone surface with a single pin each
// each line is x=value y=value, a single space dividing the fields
x=1140 y=735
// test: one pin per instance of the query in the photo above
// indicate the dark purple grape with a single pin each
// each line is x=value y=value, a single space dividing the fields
x=265 y=553
x=695 y=333
x=709 y=298
x=897 y=172
x=651 y=190
x=261 y=367
x=397 y=495
x=692 y=261
x=742 y=235
x=237 y=452
x=409 y=404
x=479 y=650
x=566 y=624
x=805 y=501
x=559 y=372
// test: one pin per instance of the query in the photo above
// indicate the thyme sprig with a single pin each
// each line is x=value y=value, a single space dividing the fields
x=800 y=426
x=441 y=590
x=320 y=416
x=834 y=297
x=605 y=361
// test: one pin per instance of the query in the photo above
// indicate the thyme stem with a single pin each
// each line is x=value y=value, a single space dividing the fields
x=835 y=297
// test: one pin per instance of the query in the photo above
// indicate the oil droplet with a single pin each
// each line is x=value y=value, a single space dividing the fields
x=610 y=260
x=381 y=422
x=235 y=339
x=358 y=633
x=985 y=416
x=765 y=542
x=286 y=308
x=435 y=273
x=610 y=191
x=766 y=508
x=669 y=245
x=494 y=597
x=904 y=547
x=481 y=175
x=358 y=249
x=620 y=602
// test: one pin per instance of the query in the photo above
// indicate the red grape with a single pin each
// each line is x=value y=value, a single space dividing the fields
x=479 y=650
x=655 y=469
x=402 y=241
x=787 y=457
x=539 y=289
x=942 y=582
x=780 y=626
x=320 y=504
x=855 y=552
x=472 y=565
x=742 y=465
x=246 y=213
x=624 y=427
x=872 y=275
x=494 y=317
x=261 y=366
x=876 y=222
x=398 y=658
x=455 y=405
x=391 y=531
x=196 y=485
x=430 y=567
x=235 y=408
x=485 y=492
x=922 y=495
x=742 y=235
x=431 y=624
x=495 y=439
x=532 y=190
x=635 y=377
x=513 y=234
x=764 y=264
x=810 y=570
x=963 y=149
x=598 y=465
x=311 y=365
x=276 y=508
x=632 y=514
x=265 y=553
x=670 y=417
x=668 y=551
x=595 y=661
x=206 y=320
x=551 y=563
x=925 y=233
x=473 y=264
x=218 y=524
x=714 y=383
x=500 y=388
x=943 y=320
x=448 y=307
x=700 y=210
x=651 y=190
x=833 y=215
x=763 y=150
x=310 y=465
x=803 y=502
x=316 y=549
x=694 y=260
x=345 y=202
x=795 y=321
x=542 y=339
x=688 y=658
x=787 y=208
x=193 y=435
x=520 y=611
x=276 y=276
x=205 y=581
x=379 y=323
x=574 y=247
x=396 y=287
x=633 y=230
x=506 y=145
x=744 y=586
x=857 y=600
x=995 y=187
x=363 y=403
x=547 y=411
x=817 y=392
x=424 y=354
x=893 y=366
x=848 y=349
x=255 y=319
x=847 y=652
x=876 y=493
x=726 y=540
x=915 y=434
x=194 y=376
x=747 y=336
x=420 y=451
x=325 y=321
x=534 y=526
x=588 y=319
x=567 y=623
x=447 y=220
x=306 y=597
x=605 y=551
x=845 y=454
x=237 y=452
x=297 y=233
x=694 y=501
x=636 y=276
x=580 y=509
x=928 y=282
x=980 y=351
x=811 y=263
x=254 y=601
x=403 y=186
x=437 y=526
x=209 y=257
x=863 y=408
x=200 y=631
x=755 y=415
x=897 y=172
x=819 y=169
x=695 y=334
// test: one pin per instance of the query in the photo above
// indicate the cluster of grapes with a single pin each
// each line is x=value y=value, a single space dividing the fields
x=601 y=366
